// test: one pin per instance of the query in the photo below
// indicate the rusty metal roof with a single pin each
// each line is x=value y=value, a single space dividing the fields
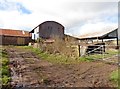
x=95 y=34
x=10 y=32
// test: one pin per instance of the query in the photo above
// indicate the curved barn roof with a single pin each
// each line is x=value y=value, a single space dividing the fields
x=52 y=22
x=44 y=23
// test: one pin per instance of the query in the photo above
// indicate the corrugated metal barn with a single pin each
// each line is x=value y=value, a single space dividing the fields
x=107 y=34
x=49 y=30
x=103 y=36
x=14 y=37
x=97 y=41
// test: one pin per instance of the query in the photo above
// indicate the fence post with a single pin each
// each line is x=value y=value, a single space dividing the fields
x=79 y=50
x=103 y=51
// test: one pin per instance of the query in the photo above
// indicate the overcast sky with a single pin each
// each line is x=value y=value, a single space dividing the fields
x=77 y=16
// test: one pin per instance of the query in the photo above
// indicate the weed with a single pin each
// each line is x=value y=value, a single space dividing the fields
x=4 y=69
x=5 y=80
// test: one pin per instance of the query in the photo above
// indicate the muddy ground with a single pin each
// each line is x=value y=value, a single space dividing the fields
x=27 y=70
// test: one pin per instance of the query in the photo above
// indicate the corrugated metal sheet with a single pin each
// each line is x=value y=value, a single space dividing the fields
x=9 y=32
x=96 y=34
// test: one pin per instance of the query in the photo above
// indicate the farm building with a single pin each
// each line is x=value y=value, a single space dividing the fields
x=107 y=34
x=71 y=39
x=14 y=37
x=49 y=30
x=96 y=42
x=101 y=36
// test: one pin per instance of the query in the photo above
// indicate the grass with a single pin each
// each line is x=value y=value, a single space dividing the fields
x=57 y=58
x=4 y=69
x=86 y=58
x=114 y=76
x=107 y=54
x=54 y=58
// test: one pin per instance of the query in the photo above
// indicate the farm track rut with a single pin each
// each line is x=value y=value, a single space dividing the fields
x=27 y=70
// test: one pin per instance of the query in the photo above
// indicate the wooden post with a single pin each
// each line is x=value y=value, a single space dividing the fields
x=92 y=41
x=102 y=40
x=117 y=39
x=34 y=37
x=117 y=44
x=104 y=48
x=103 y=45
x=97 y=39
x=79 y=50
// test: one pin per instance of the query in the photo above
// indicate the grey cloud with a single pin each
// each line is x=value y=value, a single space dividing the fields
x=91 y=10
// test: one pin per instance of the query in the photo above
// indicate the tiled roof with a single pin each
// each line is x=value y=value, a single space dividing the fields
x=10 y=32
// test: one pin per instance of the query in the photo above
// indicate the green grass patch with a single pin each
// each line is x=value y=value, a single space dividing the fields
x=114 y=77
x=4 y=61
x=54 y=58
x=5 y=80
x=58 y=58
x=107 y=54
x=4 y=69
x=86 y=58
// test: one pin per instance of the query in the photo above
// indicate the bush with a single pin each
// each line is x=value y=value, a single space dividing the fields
x=61 y=47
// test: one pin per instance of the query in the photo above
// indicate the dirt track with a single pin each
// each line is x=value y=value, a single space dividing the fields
x=29 y=71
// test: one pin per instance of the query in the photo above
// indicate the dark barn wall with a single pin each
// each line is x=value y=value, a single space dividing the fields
x=51 y=29
x=14 y=40
x=9 y=40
